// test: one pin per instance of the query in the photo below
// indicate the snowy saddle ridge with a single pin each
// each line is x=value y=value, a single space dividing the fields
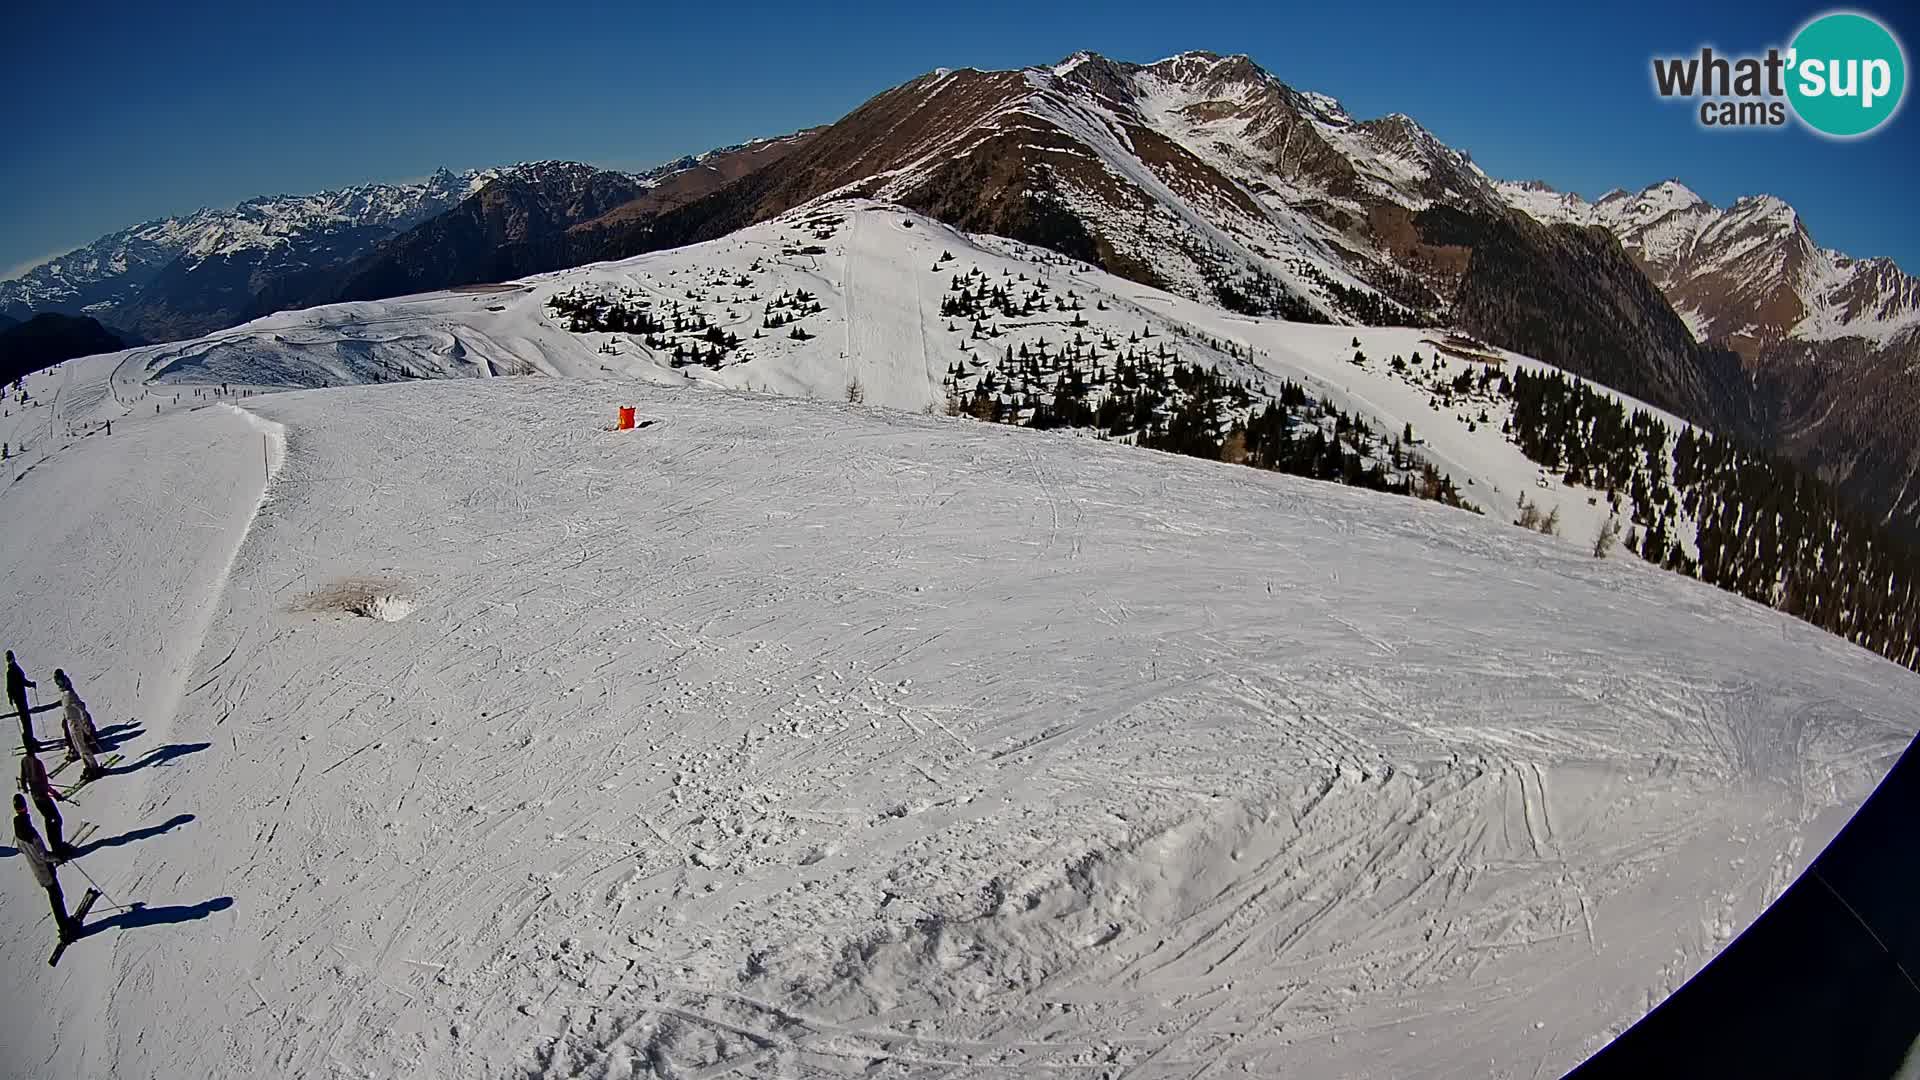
x=806 y=738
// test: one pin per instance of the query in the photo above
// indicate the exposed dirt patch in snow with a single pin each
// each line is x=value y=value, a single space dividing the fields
x=368 y=598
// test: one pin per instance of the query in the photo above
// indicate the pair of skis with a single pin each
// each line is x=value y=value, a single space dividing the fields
x=67 y=794
x=79 y=914
x=81 y=834
x=46 y=746
x=106 y=763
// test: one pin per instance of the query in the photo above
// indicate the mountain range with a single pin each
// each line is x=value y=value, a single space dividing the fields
x=181 y=276
x=1202 y=174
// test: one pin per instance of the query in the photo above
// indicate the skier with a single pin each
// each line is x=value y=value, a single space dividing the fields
x=41 y=864
x=17 y=683
x=33 y=781
x=82 y=740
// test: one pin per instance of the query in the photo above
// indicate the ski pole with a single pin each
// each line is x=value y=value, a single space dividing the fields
x=96 y=885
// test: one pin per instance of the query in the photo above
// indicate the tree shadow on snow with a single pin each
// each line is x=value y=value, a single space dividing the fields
x=160 y=756
x=137 y=914
x=134 y=836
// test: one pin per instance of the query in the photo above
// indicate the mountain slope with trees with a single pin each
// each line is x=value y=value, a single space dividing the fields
x=49 y=338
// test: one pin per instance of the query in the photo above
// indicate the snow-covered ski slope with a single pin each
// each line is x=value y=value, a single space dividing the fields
x=878 y=278
x=790 y=738
x=787 y=738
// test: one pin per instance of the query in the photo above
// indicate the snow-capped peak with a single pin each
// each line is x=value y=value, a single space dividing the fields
x=1672 y=195
x=1072 y=63
x=1327 y=106
x=1748 y=275
x=1767 y=208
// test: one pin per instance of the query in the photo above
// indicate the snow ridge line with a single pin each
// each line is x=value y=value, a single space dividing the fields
x=273 y=438
x=162 y=717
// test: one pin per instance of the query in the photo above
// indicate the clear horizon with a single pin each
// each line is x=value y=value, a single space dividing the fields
x=284 y=111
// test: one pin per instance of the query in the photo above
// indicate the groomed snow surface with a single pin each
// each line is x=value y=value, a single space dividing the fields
x=783 y=738
x=466 y=737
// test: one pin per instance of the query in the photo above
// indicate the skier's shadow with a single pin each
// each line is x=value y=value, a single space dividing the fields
x=137 y=914
x=134 y=836
x=114 y=736
x=160 y=756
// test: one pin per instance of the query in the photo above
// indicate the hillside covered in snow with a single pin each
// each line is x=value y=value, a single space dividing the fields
x=464 y=736
x=855 y=298
x=827 y=297
x=467 y=737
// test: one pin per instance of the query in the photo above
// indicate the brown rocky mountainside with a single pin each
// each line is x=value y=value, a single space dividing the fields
x=695 y=178
x=1849 y=409
x=1206 y=175
x=1829 y=344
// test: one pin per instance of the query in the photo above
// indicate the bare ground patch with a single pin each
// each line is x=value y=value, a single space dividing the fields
x=385 y=599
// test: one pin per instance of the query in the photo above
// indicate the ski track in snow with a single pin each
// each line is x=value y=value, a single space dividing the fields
x=785 y=738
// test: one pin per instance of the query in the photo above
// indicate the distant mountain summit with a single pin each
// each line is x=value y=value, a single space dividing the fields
x=1205 y=174
x=1208 y=176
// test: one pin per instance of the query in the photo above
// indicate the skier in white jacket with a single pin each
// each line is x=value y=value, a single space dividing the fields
x=83 y=741
x=41 y=863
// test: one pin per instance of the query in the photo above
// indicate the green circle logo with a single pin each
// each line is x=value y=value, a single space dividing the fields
x=1847 y=74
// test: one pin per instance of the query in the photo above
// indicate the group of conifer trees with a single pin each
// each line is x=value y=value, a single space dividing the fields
x=1155 y=399
x=684 y=332
x=1748 y=522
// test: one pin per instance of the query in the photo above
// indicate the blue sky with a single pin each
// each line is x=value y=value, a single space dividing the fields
x=119 y=112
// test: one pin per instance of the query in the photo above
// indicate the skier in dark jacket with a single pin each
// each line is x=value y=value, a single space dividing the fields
x=42 y=866
x=33 y=781
x=17 y=683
